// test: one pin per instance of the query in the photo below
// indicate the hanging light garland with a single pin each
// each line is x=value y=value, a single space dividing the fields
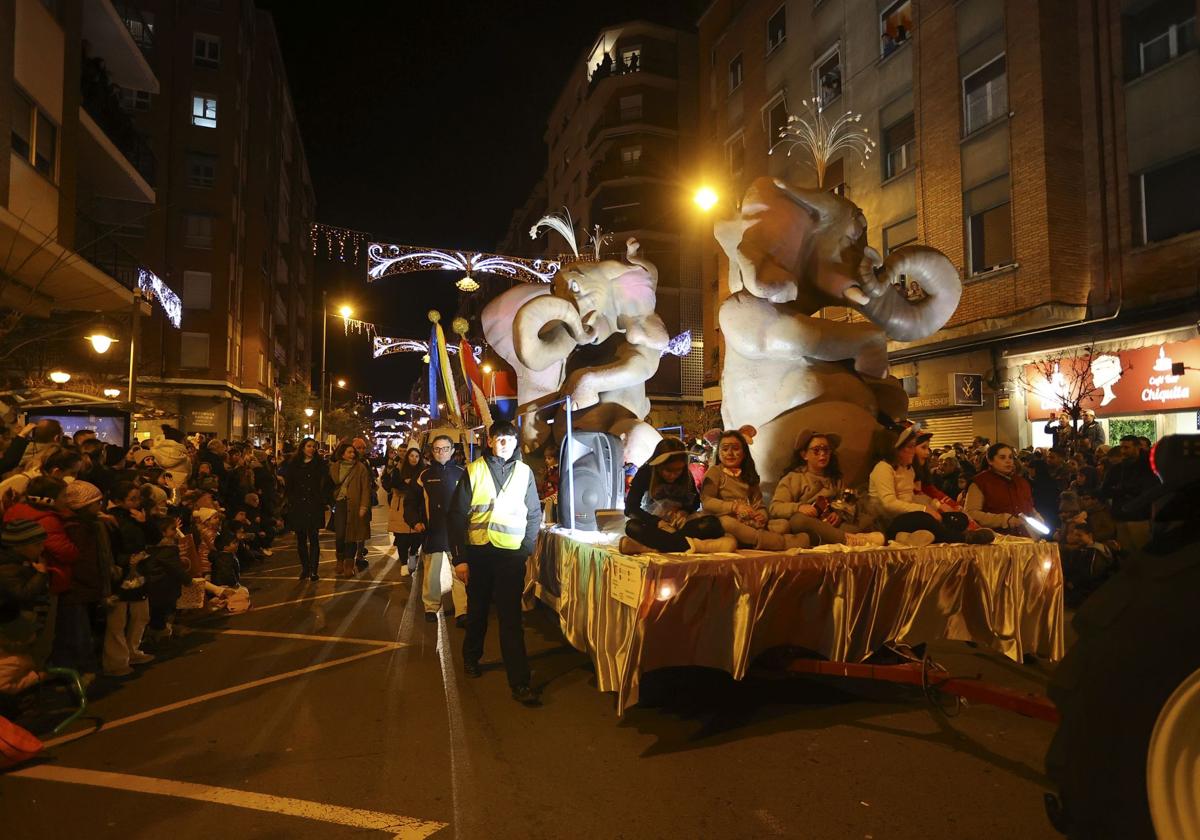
x=359 y=327
x=339 y=242
x=386 y=345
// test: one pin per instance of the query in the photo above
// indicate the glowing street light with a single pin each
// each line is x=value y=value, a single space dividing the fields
x=308 y=412
x=345 y=311
x=706 y=198
x=101 y=341
x=341 y=383
x=60 y=377
x=112 y=393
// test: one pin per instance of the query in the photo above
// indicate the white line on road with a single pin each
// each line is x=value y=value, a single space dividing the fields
x=401 y=828
x=378 y=585
x=271 y=634
x=212 y=695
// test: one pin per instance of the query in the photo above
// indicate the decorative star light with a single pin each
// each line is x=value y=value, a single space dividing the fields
x=823 y=139
x=386 y=345
x=153 y=287
x=384 y=260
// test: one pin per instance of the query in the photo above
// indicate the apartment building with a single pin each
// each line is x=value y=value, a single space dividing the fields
x=61 y=150
x=1046 y=148
x=229 y=229
x=621 y=150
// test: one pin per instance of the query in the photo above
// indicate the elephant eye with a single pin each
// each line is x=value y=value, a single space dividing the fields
x=574 y=288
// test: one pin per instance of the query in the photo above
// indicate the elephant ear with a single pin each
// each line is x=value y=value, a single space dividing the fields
x=635 y=294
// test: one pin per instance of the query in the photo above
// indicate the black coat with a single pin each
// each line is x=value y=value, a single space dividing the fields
x=430 y=503
x=307 y=488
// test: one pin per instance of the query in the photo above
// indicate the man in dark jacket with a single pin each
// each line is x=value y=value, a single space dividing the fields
x=492 y=524
x=1130 y=484
x=433 y=490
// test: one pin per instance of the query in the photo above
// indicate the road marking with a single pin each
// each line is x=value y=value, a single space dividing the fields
x=378 y=585
x=284 y=568
x=271 y=634
x=401 y=828
x=212 y=695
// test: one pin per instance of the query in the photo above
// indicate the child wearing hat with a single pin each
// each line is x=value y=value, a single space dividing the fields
x=91 y=576
x=661 y=508
x=24 y=580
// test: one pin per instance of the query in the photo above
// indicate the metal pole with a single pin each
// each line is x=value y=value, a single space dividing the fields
x=570 y=470
x=134 y=329
x=324 y=348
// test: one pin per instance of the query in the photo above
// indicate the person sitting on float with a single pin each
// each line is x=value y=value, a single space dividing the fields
x=731 y=491
x=803 y=496
x=998 y=497
x=927 y=483
x=661 y=508
x=904 y=515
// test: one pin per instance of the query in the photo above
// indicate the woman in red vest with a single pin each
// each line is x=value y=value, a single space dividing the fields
x=998 y=497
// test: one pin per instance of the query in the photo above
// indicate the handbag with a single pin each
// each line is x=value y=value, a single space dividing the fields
x=332 y=508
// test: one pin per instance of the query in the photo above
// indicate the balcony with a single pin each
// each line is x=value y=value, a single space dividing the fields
x=108 y=38
x=113 y=152
x=97 y=243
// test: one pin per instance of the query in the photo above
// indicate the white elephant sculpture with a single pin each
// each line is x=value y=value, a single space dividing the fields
x=792 y=252
x=593 y=334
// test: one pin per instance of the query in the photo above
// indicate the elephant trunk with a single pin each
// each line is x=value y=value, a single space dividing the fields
x=546 y=330
x=903 y=319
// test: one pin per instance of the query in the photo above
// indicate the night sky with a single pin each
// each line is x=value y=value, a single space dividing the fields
x=423 y=125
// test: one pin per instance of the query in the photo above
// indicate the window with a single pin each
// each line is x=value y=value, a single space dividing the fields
x=1167 y=45
x=631 y=155
x=1165 y=201
x=829 y=78
x=631 y=108
x=630 y=60
x=197 y=231
x=201 y=169
x=134 y=100
x=900 y=234
x=989 y=225
x=193 y=350
x=197 y=290
x=777 y=121
x=985 y=95
x=735 y=73
x=776 y=29
x=735 y=151
x=895 y=27
x=206 y=50
x=34 y=136
x=835 y=178
x=898 y=144
x=141 y=27
x=204 y=111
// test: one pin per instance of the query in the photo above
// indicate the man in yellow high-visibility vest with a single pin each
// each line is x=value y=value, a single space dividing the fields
x=492 y=523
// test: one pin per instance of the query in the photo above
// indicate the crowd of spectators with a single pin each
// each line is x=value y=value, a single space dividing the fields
x=103 y=549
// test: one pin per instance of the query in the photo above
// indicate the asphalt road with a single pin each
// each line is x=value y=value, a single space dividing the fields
x=334 y=710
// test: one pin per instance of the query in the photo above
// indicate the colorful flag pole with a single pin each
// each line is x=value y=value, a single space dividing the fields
x=447 y=372
x=432 y=357
x=470 y=372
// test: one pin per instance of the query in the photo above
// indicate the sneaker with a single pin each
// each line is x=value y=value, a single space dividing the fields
x=525 y=695
x=430 y=618
x=139 y=658
x=472 y=670
x=720 y=545
x=916 y=539
x=460 y=621
x=868 y=538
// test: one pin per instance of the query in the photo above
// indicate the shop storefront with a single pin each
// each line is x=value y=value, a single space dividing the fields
x=1151 y=390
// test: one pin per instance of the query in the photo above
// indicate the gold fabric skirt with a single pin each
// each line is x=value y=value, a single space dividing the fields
x=634 y=614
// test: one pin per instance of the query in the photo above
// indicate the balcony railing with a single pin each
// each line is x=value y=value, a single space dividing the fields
x=97 y=244
x=101 y=100
x=141 y=30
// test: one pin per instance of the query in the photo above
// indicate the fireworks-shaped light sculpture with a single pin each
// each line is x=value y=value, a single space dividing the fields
x=823 y=139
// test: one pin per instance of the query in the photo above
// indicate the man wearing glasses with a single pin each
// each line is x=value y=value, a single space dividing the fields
x=437 y=484
x=494 y=518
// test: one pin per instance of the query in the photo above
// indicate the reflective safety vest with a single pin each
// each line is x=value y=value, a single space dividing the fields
x=497 y=517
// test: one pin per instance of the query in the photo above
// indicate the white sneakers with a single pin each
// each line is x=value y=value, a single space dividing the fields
x=721 y=545
x=867 y=538
x=915 y=539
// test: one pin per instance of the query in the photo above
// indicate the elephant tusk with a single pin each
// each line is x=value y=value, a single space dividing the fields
x=856 y=295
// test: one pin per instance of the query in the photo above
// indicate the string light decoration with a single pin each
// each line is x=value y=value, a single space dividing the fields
x=467 y=284
x=823 y=139
x=152 y=286
x=338 y=241
x=386 y=345
x=598 y=239
x=358 y=327
x=384 y=260
x=420 y=408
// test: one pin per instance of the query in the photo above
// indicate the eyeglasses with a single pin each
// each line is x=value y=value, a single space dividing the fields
x=443 y=449
x=820 y=450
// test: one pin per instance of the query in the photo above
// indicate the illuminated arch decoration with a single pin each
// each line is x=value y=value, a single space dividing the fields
x=152 y=286
x=385 y=345
x=384 y=260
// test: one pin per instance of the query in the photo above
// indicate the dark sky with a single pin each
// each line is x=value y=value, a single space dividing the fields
x=423 y=125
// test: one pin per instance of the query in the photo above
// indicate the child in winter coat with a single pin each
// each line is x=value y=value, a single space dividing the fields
x=165 y=575
x=731 y=491
x=91 y=579
x=40 y=505
x=24 y=579
x=226 y=570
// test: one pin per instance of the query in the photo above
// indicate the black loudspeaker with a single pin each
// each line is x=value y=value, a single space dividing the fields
x=596 y=460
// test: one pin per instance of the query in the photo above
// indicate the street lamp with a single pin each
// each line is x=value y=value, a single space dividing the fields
x=308 y=412
x=346 y=311
x=112 y=393
x=101 y=341
x=341 y=383
x=60 y=377
x=706 y=198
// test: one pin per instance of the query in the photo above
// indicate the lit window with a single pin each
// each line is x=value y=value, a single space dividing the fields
x=895 y=27
x=206 y=50
x=204 y=111
x=630 y=60
x=631 y=155
x=989 y=225
x=777 y=29
x=829 y=78
x=985 y=95
x=898 y=143
x=197 y=230
x=202 y=169
x=1165 y=201
x=735 y=73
